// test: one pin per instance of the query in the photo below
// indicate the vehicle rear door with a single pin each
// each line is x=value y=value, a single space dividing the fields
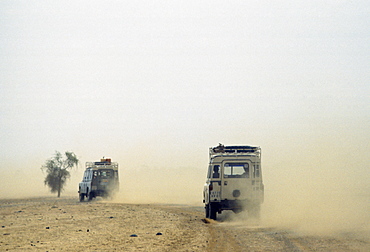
x=236 y=179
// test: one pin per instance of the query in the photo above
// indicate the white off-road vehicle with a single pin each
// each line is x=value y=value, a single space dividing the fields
x=100 y=179
x=234 y=181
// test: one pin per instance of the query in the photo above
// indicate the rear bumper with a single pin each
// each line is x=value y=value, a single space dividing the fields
x=235 y=205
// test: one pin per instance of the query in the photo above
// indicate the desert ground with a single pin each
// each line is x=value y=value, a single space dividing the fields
x=65 y=224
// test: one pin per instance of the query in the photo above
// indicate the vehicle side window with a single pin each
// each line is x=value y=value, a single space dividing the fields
x=216 y=171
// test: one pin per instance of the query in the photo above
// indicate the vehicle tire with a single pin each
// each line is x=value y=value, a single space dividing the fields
x=207 y=210
x=91 y=196
x=82 y=197
x=212 y=211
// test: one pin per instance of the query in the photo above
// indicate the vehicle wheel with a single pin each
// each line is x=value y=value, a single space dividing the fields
x=207 y=210
x=82 y=197
x=91 y=196
x=212 y=211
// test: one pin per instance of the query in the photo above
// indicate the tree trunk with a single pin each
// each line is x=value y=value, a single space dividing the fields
x=59 y=182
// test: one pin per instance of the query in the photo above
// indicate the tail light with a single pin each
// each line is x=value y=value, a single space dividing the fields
x=210 y=187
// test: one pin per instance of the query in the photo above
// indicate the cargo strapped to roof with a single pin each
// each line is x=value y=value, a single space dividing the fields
x=220 y=149
x=102 y=165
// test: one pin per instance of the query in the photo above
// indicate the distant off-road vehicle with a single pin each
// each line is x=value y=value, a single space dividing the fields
x=234 y=181
x=100 y=179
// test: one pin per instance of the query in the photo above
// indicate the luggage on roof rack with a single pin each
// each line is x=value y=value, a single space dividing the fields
x=233 y=149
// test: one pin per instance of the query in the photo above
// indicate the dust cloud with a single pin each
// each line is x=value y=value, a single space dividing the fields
x=319 y=188
x=181 y=185
x=152 y=173
x=21 y=183
x=26 y=180
x=323 y=211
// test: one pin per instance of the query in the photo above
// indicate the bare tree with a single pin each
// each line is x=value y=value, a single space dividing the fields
x=57 y=170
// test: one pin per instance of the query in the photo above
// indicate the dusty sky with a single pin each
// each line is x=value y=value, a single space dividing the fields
x=154 y=84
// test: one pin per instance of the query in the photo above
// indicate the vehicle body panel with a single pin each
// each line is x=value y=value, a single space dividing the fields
x=234 y=179
x=100 y=179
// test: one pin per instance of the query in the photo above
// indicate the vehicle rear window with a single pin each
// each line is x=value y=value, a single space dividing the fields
x=106 y=173
x=236 y=170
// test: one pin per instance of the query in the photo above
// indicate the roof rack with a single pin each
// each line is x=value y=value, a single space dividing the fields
x=104 y=165
x=233 y=149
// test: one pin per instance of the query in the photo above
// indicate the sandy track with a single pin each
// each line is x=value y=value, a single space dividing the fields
x=50 y=224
